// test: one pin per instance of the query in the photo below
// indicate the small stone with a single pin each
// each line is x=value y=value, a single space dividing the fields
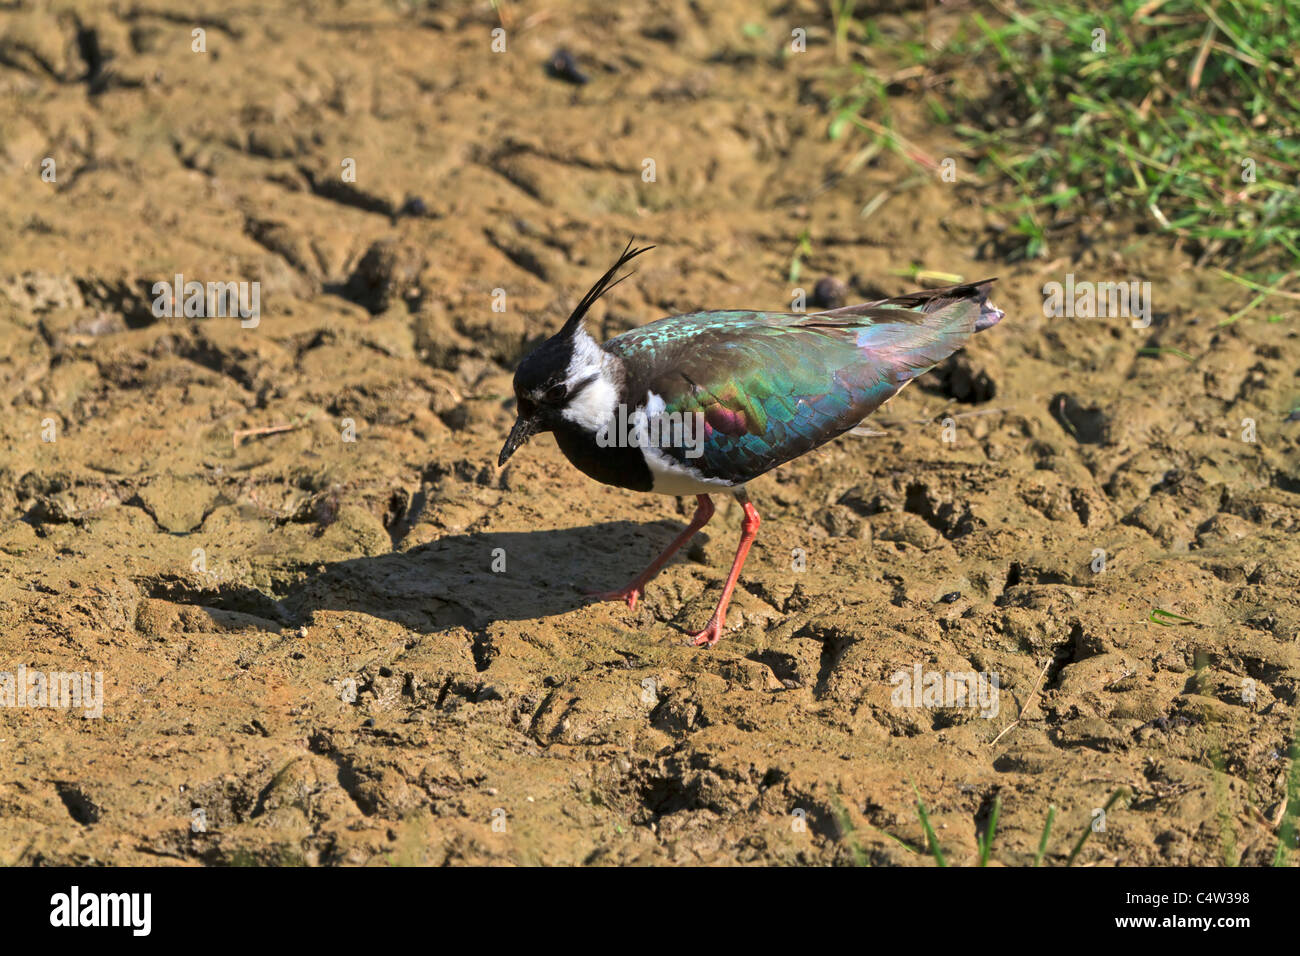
x=413 y=206
x=563 y=66
x=829 y=293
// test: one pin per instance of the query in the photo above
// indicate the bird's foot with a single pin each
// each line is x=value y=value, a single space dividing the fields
x=630 y=594
x=711 y=634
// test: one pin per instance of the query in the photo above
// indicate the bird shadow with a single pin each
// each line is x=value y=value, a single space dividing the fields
x=469 y=580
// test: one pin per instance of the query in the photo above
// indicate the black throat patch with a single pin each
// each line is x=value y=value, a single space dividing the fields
x=622 y=467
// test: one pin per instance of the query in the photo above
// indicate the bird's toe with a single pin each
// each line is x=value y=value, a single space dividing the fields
x=711 y=634
x=628 y=595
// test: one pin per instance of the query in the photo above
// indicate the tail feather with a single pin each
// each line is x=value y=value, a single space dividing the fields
x=931 y=300
x=990 y=315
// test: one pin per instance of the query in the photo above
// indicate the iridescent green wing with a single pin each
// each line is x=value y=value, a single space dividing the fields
x=772 y=386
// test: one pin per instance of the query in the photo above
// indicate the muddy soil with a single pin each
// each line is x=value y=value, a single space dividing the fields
x=331 y=631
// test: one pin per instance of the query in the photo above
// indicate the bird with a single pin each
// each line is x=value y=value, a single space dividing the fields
x=703 y=403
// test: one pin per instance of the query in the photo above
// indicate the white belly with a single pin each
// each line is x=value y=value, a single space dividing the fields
x=672 y=477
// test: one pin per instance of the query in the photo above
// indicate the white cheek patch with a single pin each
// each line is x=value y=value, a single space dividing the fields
x=595 y=405
x=588 y=357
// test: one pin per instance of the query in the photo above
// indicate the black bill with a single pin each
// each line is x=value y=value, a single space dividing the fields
x=525 y=428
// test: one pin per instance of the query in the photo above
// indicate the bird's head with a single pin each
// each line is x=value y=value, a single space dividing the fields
x=568 y=375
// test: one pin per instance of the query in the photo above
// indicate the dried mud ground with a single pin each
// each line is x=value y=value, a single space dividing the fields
x=231 y=588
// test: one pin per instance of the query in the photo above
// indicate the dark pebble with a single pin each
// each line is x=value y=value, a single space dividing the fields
x=414 y=206
x=829 y=293
x=563 y=66
x=950 y=597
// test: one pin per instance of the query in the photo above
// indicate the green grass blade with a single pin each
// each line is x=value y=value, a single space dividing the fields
x=1087 y=831
x=986 y=843
x=1047 y=832
x=928 y=830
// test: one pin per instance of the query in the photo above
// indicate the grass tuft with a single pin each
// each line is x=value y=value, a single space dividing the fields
x=1182 y=114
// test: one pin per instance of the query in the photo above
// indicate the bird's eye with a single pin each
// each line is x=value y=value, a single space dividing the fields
x=557 y=392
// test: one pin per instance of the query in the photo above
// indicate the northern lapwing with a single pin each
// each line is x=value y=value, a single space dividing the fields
x=706 y=402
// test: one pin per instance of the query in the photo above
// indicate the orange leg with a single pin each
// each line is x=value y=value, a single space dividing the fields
x=748 y=531
x=634 y=590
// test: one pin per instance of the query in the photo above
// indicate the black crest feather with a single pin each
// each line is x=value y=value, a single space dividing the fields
x=603 y=285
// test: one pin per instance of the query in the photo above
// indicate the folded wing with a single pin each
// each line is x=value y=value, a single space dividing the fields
x=772 y=386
